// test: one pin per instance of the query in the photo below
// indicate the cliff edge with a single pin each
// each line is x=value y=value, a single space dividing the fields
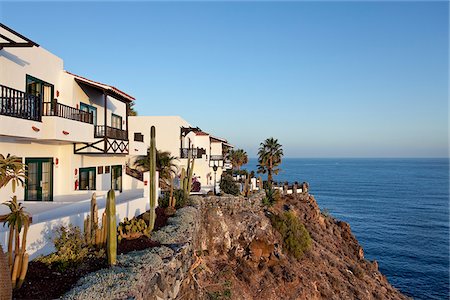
x=241 y=255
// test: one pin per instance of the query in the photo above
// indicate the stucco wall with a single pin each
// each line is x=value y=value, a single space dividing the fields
x=40 y=233
x=64 y=171
x=15 y=63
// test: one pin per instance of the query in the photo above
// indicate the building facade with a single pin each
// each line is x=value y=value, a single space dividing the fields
x=181 y=139
x=71 y=132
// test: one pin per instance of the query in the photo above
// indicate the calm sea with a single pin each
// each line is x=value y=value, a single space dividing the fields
x=397 y=208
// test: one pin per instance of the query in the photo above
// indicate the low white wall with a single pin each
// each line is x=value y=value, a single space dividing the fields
x=40 y=233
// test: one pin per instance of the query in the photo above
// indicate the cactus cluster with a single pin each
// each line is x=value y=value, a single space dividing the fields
x=94 y=234
x=132 y=229
x=186 y=175
x=104 y=236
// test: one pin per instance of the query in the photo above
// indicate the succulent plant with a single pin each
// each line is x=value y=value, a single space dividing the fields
x=131 y=229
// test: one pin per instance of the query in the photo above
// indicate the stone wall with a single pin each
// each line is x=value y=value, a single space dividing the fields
x=156 y=273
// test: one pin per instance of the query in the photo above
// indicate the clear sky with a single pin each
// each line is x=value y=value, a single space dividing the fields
x=328 y=79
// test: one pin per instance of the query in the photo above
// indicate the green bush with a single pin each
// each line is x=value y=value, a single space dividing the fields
x=272 y=196
x=71 y=248
x=181 y=199
x=228 y=186
x=296 y=239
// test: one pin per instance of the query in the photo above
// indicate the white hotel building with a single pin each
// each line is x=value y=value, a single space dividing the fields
x=76 y=137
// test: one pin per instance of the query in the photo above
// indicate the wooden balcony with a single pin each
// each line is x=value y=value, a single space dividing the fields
x=102 y=131
x=67 y=112
x=18 y=104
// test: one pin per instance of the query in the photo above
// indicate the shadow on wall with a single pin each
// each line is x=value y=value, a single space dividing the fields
x=13 y=58
x=44 y=244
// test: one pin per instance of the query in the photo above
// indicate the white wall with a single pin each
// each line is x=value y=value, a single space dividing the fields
x=16 y=63
x=64 y=172
x=167 y=131
x=39 y=238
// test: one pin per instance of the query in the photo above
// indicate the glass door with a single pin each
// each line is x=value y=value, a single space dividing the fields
x=116 y=178
x=39 y=181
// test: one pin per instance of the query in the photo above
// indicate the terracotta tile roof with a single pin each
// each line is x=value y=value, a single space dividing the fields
x=201 y=133
x=103 y=86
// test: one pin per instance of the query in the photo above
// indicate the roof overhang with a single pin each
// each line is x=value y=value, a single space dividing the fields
x=10 y=38
x=107 y=89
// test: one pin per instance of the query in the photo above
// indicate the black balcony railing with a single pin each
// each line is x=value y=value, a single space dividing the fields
x=110 y=132
x=14 y=103
x=196 y=152
x=216 y=157
x=67 y=112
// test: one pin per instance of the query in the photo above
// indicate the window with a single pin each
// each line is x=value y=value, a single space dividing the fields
x=100 y=170
x=116 y=121
x=90 y=109
x=107 y=169
x=138 y=137
x=39 y=88
x=87 y=178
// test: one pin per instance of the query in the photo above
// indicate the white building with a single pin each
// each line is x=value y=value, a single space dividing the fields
x=75 y=136
x=71 y=132
x=176 y=135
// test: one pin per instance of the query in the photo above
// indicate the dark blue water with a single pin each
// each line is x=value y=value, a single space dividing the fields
x=397 y=208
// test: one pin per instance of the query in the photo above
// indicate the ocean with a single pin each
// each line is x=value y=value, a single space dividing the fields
x=398 y=210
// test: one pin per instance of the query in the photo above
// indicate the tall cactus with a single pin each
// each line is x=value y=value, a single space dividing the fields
x=190 y=173
x=247 y=186
x=94 y=216
x=111 y=240
x=152 y=185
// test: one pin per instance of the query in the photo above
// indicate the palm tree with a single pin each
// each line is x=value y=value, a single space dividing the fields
x=165 y=165
x=238 y=158
x=270 y=154
x=11 y=169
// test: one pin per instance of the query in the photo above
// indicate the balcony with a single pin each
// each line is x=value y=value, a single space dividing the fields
x=195 y=152
x=67 y=112
x=216 y=157
x=110 y=132
x=17 y=104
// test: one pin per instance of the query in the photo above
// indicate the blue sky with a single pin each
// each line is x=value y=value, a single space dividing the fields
x=328 y=79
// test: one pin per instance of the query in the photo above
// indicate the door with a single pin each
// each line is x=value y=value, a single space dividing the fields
x=116 y=178
x=39 y=181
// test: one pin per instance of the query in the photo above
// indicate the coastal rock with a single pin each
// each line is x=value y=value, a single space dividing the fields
x=243 y=256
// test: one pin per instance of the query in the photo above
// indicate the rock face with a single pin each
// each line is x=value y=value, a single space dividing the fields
x=226 y=248
x=242 y=256
x=156 y=273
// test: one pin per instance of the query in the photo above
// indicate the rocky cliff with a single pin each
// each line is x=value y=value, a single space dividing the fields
x=240 y=255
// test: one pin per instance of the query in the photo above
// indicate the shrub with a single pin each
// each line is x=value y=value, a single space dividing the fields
x=71 y=248
x=296 y=239
x=228 y=186
x=180 y=199
x=272 y=196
